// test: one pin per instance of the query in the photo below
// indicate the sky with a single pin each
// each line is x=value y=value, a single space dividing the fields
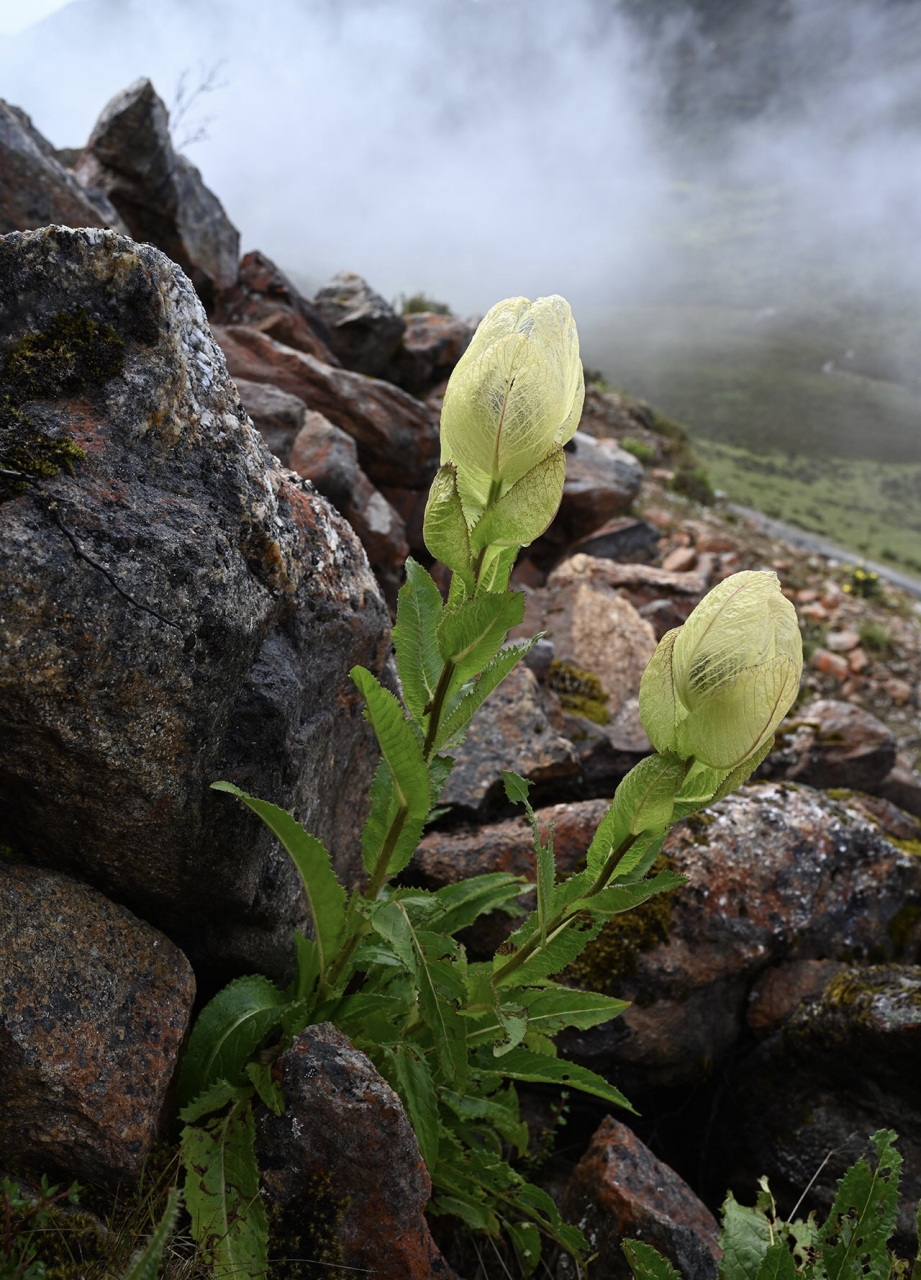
x=476 y=149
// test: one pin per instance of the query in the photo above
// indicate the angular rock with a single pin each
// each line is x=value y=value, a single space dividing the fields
x=621 y=1191
x=607 y=415
x=641 y=584
x=177 y=610
x=160 y=194
x=774 y=874
x=832 y=744
x=803 y=1104
x=431 y=347
x=327 y=456
x=35 y=188
x=364 y=328
x=397 y=440
x=444 y=857
x=94 y=1005
x=902 y=786
x=512 y=730
x=602 y=481
x=265 y=299
x=623 y=538
x=593 y=628
x=344 y=1125
x=276 y=415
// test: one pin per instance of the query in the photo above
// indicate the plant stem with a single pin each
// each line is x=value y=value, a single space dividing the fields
x=562 y=918
x=438 y=702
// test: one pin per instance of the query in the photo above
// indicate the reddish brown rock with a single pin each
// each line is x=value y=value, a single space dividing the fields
x=830 y=664
x=780 y=991
x=832 y=744
x=364 y=329
x=396 y=437
x=512 y=730
x=775 y=873
x=94 y=1005
x=621 y=1191
x=275 y=414
x=593 y=627
x=343 y=1123
x=265 y=299
x=432 y=345
x=159 y=194
x=680 y=560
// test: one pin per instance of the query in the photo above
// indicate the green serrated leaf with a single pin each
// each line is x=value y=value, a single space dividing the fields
x=229 y=1029
x=524 y=1064
x=516 y=787
x=419 y=610
x=744 y=1240
x=399 y=745
x=456 y=721
x=444 y=527
x=145 y=1264
x=308 y=966
x=267 y=1088
x=325 y=895
x=526 y=1239
x=624 y=897
x=214 y=1098
x=410 y=1076
x=467 y=900
x=471 y=635
x=647 y=1263
x=222 y=1194
x=496 y=569
x=854 y=1238
x=513 y=1020
x=439 y=771
x=777 y=1264
x=561 y=948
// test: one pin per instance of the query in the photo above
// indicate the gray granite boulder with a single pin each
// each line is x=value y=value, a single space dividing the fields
x=364 y=328
x=159 y=193
x=174 y=609
x=36 y=189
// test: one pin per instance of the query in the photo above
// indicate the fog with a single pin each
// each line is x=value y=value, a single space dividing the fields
x=478 y=148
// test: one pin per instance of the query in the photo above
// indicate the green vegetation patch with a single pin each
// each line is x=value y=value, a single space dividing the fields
x=613 y=954
x=417 y=303
x=580 y=692
x=72 y=351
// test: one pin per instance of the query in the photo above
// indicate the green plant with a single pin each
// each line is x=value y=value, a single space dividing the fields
x=22 y=1219
x=418 y=303
x=874 y=636
x=852 y=1242
x=862 y=582
x=644 y=453
x=384 y=964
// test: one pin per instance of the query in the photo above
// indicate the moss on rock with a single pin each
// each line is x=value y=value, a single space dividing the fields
x=580 y=692
x=613 y=954
x=71 y=352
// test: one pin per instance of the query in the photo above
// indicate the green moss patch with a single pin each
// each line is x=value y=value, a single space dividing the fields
x=580 y=692
x=613 y=954
x=70 y=353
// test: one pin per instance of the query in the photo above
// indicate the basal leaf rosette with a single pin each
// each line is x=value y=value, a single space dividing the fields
x=717 y=688
x=514 y=399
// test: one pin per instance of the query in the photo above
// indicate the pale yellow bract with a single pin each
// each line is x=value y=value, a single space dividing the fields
x=515 y=397
x=717 y=688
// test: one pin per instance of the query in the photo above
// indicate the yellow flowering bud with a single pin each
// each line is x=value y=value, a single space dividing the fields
x=717 y=688
x=515 y=397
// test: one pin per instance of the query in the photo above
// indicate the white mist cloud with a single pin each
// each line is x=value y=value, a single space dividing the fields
x=479 y=148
